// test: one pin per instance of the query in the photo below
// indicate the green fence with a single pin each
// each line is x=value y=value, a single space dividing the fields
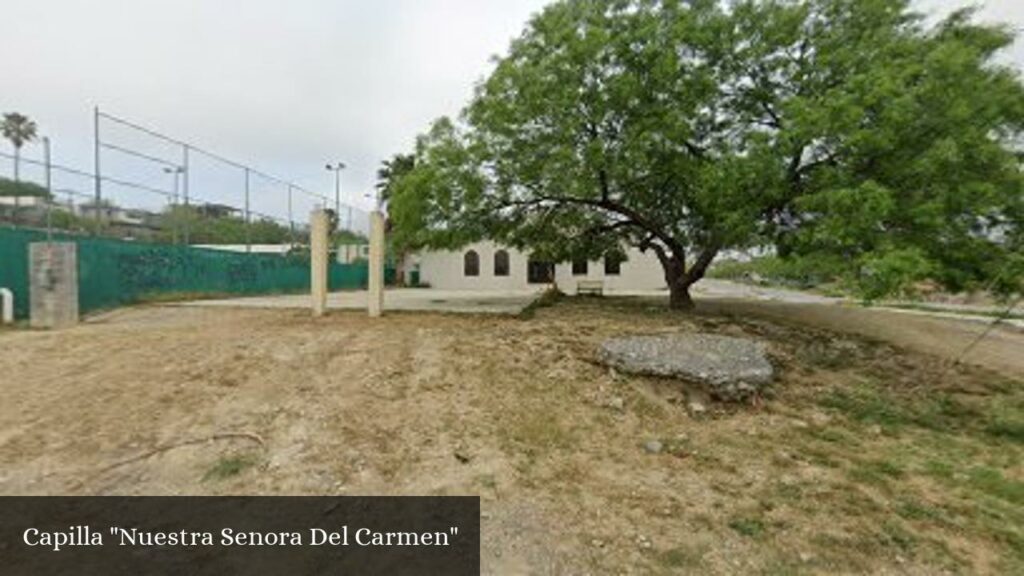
x=112 y=273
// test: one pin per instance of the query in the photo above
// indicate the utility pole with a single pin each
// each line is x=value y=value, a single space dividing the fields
x=248 y=222
x=177 y=171
x=291 y=220
x=185 y=174
x=337 y=169
x=49 y=189
x=96 y=167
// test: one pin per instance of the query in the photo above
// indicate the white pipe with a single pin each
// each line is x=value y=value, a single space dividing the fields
x=7 y=314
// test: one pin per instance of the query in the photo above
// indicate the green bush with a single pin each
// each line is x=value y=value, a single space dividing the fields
x=802 y=273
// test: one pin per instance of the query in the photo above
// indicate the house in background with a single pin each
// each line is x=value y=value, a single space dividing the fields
x=488 y=266
x=353 y=253
x=23 y=201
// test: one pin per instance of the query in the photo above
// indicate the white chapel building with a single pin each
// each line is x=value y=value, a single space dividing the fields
x=491 y=267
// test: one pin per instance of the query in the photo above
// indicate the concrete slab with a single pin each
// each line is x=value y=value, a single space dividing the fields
x=426 y=300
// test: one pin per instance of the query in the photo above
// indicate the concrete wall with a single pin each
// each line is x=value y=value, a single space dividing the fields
x=444 y=271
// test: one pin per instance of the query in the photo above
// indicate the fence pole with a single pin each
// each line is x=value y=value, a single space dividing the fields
x=291 y=220
x=49 y=189
x=96 y=168
x=175 y=212
x=185 y=178
x=248 y=223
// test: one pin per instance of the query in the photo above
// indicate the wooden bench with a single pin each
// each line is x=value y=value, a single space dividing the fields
x=590 y=288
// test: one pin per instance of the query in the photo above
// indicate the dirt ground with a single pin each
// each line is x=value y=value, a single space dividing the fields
x=864 y=458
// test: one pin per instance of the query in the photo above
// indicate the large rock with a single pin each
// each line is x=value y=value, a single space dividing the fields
x=733 y=368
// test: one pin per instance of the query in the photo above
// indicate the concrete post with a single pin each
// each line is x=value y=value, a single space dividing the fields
x=7 y=314
x=53 y=284
x=318 y=252
x=376 y=283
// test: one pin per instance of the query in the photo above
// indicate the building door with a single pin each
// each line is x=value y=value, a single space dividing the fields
x=540 y=272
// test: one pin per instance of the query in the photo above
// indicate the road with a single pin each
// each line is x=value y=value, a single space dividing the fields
x=941 y=334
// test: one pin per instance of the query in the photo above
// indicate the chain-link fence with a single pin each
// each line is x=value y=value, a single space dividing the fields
x=150 y=187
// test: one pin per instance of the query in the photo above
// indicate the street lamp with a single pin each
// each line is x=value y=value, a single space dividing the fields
x=337 y=168
x=177 y=171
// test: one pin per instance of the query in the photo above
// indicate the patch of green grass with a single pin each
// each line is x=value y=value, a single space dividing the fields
x=832 y=436
x=921 y=307
x=790 y=492
x=939 y=469
x=993 y=483
x=784 y=567
x=539 y=432
x=680 y=558
x=749 y=527
x=1006 y=428
x=868 y=406
x=818 y=457
x=229 y=467
x=548 y=299
x=876 y=472
x=894 y=535
x=934 y=411
x=909 y=509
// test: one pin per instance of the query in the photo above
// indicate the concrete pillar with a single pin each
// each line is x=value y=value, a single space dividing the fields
x=53 y=284
x=376 y=284
x=318 y=252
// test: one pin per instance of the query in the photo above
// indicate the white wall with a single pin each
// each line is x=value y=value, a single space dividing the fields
x=640 y=272
x=444 y=270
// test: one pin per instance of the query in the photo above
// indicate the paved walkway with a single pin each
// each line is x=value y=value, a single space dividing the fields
x=465 y=302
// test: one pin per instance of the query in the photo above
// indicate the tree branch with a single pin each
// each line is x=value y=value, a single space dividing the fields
x=700 y=267
x=609 y=206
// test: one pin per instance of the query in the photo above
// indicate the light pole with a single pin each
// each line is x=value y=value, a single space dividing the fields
x=337 y=168
x=49 y=189
x=176 y=171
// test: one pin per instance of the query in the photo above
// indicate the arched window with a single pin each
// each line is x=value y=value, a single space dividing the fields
x=501 y=263
x=471 y=264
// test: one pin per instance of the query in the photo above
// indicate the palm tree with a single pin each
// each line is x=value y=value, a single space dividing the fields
x=388 y=175
x=19 y=129
x=391 y=171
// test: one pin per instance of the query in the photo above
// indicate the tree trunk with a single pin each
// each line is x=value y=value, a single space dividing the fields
x=679 y=297
x=678 y=283
x=400 y=280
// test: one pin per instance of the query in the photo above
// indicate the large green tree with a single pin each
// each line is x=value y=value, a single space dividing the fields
x=844 y=130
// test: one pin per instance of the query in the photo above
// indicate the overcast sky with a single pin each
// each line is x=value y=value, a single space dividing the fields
x=282 y=85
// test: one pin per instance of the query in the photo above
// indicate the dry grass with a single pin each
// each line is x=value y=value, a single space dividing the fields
x=864 y=458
